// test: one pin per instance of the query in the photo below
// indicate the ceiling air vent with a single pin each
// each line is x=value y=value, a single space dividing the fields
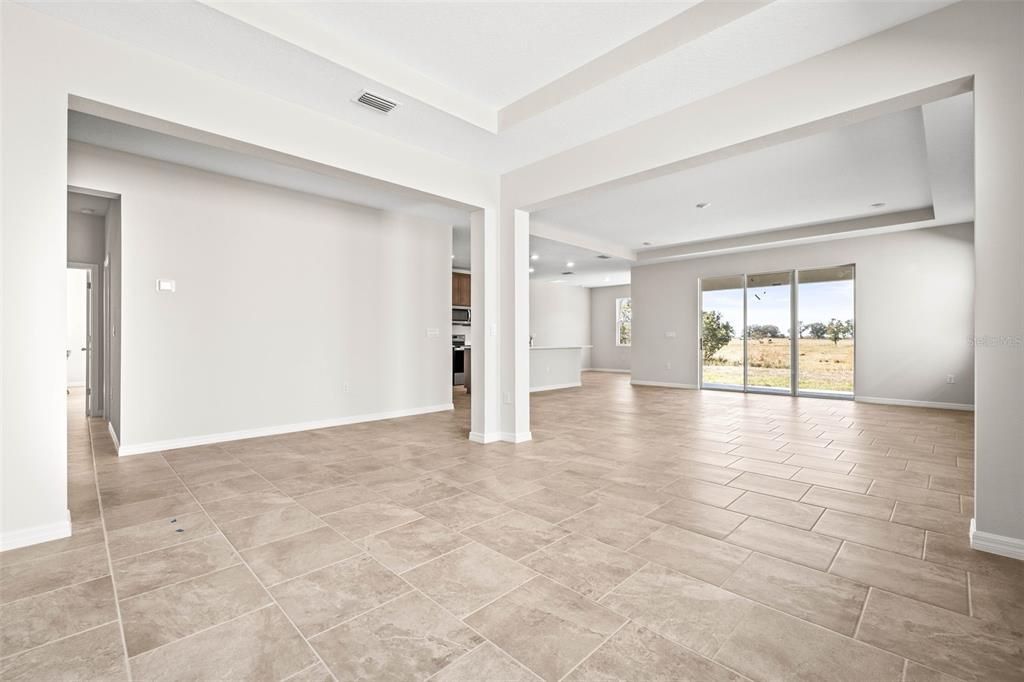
x=568 y=272
x=604 y=257
x=377 y=102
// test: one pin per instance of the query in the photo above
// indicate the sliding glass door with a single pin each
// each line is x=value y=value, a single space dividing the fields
x=722 y=301
x=825 y=304
x=788 y=332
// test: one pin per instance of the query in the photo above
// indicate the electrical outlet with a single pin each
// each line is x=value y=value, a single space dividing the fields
x=950 y=379
x=345 y=387
x=670 y=335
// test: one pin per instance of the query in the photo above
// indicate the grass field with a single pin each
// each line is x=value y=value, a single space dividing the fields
x=824 y=366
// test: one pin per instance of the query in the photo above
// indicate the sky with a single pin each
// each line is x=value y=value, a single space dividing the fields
x=819 y=302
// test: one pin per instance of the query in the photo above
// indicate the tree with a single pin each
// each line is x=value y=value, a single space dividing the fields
x=717 y=333
x=838 y=329
x=763 y=331
x=817 y=330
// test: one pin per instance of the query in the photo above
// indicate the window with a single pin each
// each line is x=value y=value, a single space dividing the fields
x=623 y=321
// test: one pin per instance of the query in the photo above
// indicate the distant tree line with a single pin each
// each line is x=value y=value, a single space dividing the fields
x=717 y=333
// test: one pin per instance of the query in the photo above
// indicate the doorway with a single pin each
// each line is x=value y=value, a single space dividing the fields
x=789 y=332
x=82 y=374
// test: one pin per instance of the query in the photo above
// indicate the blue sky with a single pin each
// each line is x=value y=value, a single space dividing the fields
x=819 y=302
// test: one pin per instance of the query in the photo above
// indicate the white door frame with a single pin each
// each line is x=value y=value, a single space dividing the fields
x=92 y=403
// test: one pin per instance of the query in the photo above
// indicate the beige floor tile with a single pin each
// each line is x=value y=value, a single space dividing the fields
x=551 y=505
x=317 y=672
x=81 y=536
x=769 y=485
x=872 y=532
x=915 y=672
x=258 y=646
x=249 y=504
x=468 y=578
x=230 y=487
x=829 y=479
x=268 y=527
x=777 y=509
x=785 y=542
x=515 y=534
x=865 y=505
x=462 y=511
x=140 y=492
x=692 y=553
x=486 y=662
x=422 y=491
x=922 y=580
x=336 y=499
x=630 y=498
x=145 y=572
x=151 y=510
x=166 y=532
x=611 y=526
x=305 y=484
x=370 y=517
x=998 y=601
x=298 y=554
x=763 y=454
x=96 y=655
x=829 y=601
x=409 y=638
x=701 y=518
x=820 y=464
x=547 y=627
x=36 y=620
x=687 y=611
x=931 y=518
x=47 y=573
x=774 y=646
x=908 y=493
x=319 y=600
x=955 y=551
x=165 y=615
x=704 y=472
x=953 y=484
x=702 y=491
x=891 y=476
x=636 y=653
x=959 y=645
x=502 y=487
x=585 y=565
x=412 y=544
x=758 y=466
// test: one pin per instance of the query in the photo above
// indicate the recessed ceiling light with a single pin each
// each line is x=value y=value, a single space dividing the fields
x=534 y=256
x=453 y=256
x=569 y=264
x=880 y=204
x=87 y=210
x=531 y=271
x=704 y=204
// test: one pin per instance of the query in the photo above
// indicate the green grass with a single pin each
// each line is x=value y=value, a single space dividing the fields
x=824 y=366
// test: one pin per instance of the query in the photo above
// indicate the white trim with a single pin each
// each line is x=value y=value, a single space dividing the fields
x=996 y=544
x=113 y=437
x=33 y=535
x=522 y=437
x=661 y=384
x=913 y=403
x=484 y=437
x=189 y=441
x=607 y=369
x=555 y=387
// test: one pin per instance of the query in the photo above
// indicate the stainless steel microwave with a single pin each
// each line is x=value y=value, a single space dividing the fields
x=461 y=315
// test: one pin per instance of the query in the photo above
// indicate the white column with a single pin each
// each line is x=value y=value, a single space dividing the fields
x=484 y=358
x=515 y=329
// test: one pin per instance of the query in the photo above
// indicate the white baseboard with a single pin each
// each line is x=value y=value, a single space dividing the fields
x=913 y=403
x=34 y=535
x=661 y=384
x=554 y=387
x=607 y=369
x=521 y=437
x=191 y=441
x=996 y=544
x=484 y=437
x=113 y=437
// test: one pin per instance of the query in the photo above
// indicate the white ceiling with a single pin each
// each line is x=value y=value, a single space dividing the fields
x=488 y=52
x=495 y=51
x=588 y=270
x=829 y=176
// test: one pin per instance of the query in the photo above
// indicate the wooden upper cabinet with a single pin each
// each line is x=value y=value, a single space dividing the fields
x=460 y=289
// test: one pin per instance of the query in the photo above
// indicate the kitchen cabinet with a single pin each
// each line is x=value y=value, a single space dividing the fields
x=460 y=290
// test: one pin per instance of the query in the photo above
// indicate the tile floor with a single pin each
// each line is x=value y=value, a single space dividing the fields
x=645 y=534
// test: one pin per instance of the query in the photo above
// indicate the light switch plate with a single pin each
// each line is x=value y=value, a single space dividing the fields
x=165 y=285
x=433 y=331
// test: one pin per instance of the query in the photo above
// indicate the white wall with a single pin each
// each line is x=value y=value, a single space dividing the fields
x=914 y=311
x=560 y=316
x=77 y=326
x=113 y=342
x=275 y=293
x=605 y=354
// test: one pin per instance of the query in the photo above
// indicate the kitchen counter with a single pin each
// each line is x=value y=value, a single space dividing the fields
x=553 y=367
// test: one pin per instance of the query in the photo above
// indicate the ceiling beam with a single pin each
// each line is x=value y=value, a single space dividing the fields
x=547 y=230
x=685 y=27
